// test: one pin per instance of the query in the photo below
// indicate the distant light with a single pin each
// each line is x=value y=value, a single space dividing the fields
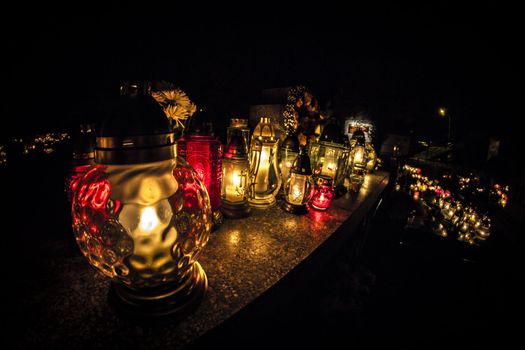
x=442 y=111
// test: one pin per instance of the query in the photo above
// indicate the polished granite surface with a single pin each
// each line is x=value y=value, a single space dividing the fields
x=243 y=259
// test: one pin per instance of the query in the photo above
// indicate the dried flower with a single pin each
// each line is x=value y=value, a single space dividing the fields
x=175 y=103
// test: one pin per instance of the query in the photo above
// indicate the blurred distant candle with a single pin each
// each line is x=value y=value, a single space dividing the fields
x=323 y=192
x=483 y=231
x=265 y=178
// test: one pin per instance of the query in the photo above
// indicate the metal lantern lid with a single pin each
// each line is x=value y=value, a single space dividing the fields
x=264 y=131
x=291 y=143
x=301 y=164
x=324 y=180
x=236 y=148
x=135 y=130
x=238 y=123
x=332 y=133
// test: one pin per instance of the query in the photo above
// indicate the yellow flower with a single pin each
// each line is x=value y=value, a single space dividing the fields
x=178 y=114
x=176 y=104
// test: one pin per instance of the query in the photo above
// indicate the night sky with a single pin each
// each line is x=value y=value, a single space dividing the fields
x=398 y=64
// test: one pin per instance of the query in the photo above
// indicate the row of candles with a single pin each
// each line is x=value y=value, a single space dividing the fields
x=254 y=170
x=44 y=142
x=41 y=142
x=448 y=215
x=498 y=194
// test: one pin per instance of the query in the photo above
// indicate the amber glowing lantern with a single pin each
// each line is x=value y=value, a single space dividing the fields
x=141 y=215
x=357 y=160
x=329 y=154
x=83 y=158
x=265 y=178
x=288 y=152
x=235 y=167
x=204 y=153
x=298 y=188
x=323 y=192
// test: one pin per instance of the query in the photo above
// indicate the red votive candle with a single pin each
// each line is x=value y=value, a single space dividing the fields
x=323 y=192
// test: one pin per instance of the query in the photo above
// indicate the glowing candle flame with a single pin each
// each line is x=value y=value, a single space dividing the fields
x=148 y=220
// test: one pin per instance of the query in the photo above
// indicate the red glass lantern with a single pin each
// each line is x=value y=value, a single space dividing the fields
x=204 y=153
x=323 y=192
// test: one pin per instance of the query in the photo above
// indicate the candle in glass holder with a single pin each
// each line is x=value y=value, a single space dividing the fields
x=329 y=155
x=265 y=178
x=357 y=160
x=323 y=192
x=235 y=169
x=298 y=188
x=288 y=151
x=140 y=215
x=204 y=153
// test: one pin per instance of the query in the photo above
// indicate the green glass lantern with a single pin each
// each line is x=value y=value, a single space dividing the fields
x=329 y=155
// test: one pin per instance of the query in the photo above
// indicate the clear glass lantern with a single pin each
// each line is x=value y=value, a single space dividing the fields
x=329 y=154
x=323 y=192
x=239 y=125
x=141 y=215
x=371 y=157
x=265 y=178
x=204 y=153
x=288 y=152
x=298 y=188
x=235 y=167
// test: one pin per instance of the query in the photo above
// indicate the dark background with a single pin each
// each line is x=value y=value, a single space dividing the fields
x=398 y=63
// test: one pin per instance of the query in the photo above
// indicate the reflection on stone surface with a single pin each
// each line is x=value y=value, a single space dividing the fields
x=245 y=257
x=234 y=238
